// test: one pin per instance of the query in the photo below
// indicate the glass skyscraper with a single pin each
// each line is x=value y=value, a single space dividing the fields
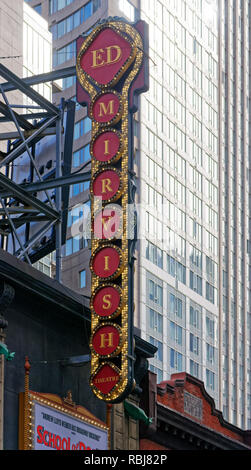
x=192 y=151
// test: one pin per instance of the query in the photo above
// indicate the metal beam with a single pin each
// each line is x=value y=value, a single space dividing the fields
x=27 y=116
x=57 y=182
x=19 y=210
x=43 y=78
x=23 y=87
x=21 y=148
x=23 y=251
x=25 y=197
x=19 y=221
x=15 y=135
x=21 y=121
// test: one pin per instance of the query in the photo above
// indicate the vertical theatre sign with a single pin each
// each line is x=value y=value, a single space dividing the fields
x=112 y=70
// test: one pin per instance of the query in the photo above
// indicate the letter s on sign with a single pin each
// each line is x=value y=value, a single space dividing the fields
x=40 y=430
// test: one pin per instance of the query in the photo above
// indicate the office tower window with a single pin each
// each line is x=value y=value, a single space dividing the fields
x=194 y=344
x=176 y=162
x=154 y=171
x=197 y=153
x=72 y=245
x=176 y=333
x=68 y=24
x=194 y=368
x=176 y=360
x=82 y=279
x=211 y=217
x=195 y=230
x=211 y=269
x=65 y=53
x=175 y=243
x=81 y=156
x=154 y=198
x=210 y=328
x=82 y=127
x=210 y=292
x=195 y=283
x=176 y=189
x=195 y=257
x=154 y=254
x=211 y=243
x=211 y=192
x=90 y=8
x=155 y=292
x=38 y=8
x=210 y=379
x=75 y=244
x=76 y=189
x=176 y=269
x=155 y=321
x=78 y=213
x=154 y=228
x=55 y=5
x=210 y=353
x=175 y=305
x=68 y=82
x=196 y=205
x=195 y=316
x=159 y=345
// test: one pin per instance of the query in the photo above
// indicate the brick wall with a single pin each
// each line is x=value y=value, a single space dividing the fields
x=171 y=394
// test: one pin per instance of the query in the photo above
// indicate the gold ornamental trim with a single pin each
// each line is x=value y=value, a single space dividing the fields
x=120 y=188
x=118 y=115
x=117 y=387
x=118 y=348
x=83 y=76
x=120 y=151
x=120 y=267
x=118 y=309
x=27 y=408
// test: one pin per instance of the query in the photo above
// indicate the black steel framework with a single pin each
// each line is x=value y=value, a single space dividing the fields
x=22 y=204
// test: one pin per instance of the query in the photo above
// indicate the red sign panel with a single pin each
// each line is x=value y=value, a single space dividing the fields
x=106 y=146
x=106 y=340
x=106 y=107
x=106 y=379
x=106 y=262
x=106 y=184
x=105 y=56
x=106 y=301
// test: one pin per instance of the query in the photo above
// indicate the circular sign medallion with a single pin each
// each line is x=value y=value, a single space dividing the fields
x=107 y=301
x=106 y=378
x=107 y=340
x=107 y=262
x=106 y=147
x=107 y=108
x=107 y=184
